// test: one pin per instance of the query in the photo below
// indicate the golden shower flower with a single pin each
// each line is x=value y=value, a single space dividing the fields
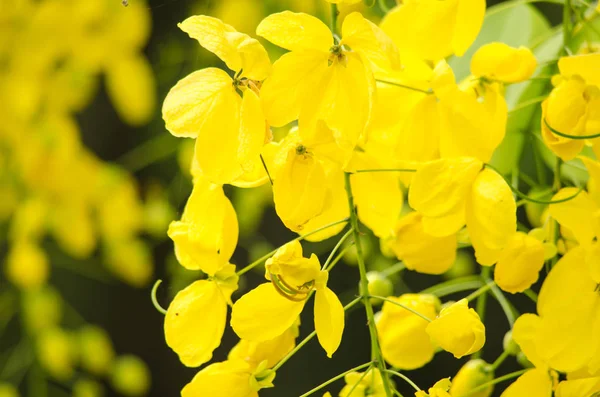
x=535 y=383
x=440 y=389
x=402 y=336
x=457 y=329
x=363 y=385
x=420 y=251
x=471 y=375
x=434 y=30
x=320 y=80
x=26 y=265
x=272 y=308
x=578 y=387
x=501 y=62
x=196 y=318
x=519 y=263
x=232 y=378
x=217 y=110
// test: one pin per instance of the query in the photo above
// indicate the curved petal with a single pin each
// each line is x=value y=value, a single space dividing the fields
x=230 y=378
x=193 y=102
x=575 y=214
x=296 y=31
x=253 y=130
x=239 y=51
x=195 y=322
x=533 y=383
x=469 y=19
x=586 y=66
x=519 y=263
x=329 y=320
x=262 y=314
x=524 y=334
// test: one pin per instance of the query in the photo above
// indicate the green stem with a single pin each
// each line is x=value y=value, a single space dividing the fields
x=385 y=170
x=567 y=25
x=453 y=286
x=157 y=305
x=406 y=378
x=482 y=302
x=428 y=92
x=481 y=290
x=268 y=255
x=527 y=103
x=395 y=268
x=506 y=306
x=339 y=257
x=493 y=382
x=151 y=151
x=309 y=337
x=494 y=366
x=364 y=287
x=358 y=381
x=330 y=381
x=334 y=17
x=336 y=248
x=393 y=302
x=531 y=295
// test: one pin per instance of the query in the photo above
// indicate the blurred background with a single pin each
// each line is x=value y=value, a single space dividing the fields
x=90 y=179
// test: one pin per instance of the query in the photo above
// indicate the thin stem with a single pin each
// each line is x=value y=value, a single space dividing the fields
x=334 y=17
x=393 y=302
x=364 y=287
x=506 y=306
x=454 y=286
x=494 y=366
x=157 y=305
x=149 y=152
x=385 y=170
x=493 y=382
x=567 y=25
x=527 y=103
x=481 y=290
x=531 y=295
x=339 y=257
x=481 y=304
x=395 y=268
x=359 y=380
x=264 y=164
x=428 y=92
x=309 y=337
x=268 y=255
x=406 y=378
x=330 y=381
x=336 y=248
x=575 y=137
x=384 y=7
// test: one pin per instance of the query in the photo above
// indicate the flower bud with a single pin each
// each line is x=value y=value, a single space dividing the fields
x=523 y=360
x=473 y=374
x=458 y=330
x=87 y=388
x=56 y=353
x=130 y=376
x=42 y=309
x=379 y=285
x=26 y=265
x=510 y=345
x=96 y=350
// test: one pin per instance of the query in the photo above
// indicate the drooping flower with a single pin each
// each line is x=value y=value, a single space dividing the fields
x=218 y=111
x=457 y=329
x=519 y=263
x=440 y=389
x=501 y=62
x=473 y=374
x=272 y=308
x=369 y=384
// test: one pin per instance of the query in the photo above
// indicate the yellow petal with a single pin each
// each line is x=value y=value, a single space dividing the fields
x=367 y=39
x=195 y=322
x=533 y=383
x=130 y=84
x=441 y=187
x=272 y=350
x=575 y=213
x=230 y=378
x=420 y=251
x=472 y=125
x=419 y=137
x=296 y=31
x=491 y=215
x=586 y=66
x=519 y=264
x=329 y=320
x=237 y=50
x=190 y=105
x=377 y=195
x=252 y=132
x=469 y=19
x=294 y=79
x=445 y=225
x=207 y=234
x=262 y=314
x=578 y=387
x=498 y=61
x=524 y=333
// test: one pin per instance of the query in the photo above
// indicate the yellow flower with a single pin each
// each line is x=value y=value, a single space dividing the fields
x=440 y=389
x=535 y=383
x=586 y=66
x=434 y=30
x=498 y=61
x=472 y=374
x=578 y=387
x=404 y=342
x=130 y=376
x=27 y=266
x=420 y=251
x=519 y=263
x=458 y=329
x=453 y=192
x=363 y=385
x=95 y=349
x=270 y=351
x=56 y=352
x=195 y=320
x=272 y=308
x=207 y=233
x=232 y=378
x=206 y=105
x=321 y=81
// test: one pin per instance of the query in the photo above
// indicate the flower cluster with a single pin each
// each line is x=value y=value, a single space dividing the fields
x=379 y=131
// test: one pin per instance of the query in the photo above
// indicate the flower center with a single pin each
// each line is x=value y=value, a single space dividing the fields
x=295 y=294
